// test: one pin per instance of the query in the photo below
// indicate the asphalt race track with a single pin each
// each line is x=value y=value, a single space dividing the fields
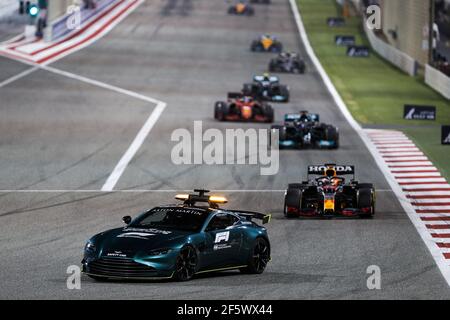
x=61 y=136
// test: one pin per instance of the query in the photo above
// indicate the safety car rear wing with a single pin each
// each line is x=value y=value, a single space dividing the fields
x=249 y=215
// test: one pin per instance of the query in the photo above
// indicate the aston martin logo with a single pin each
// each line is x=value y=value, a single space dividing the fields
x=135 y=235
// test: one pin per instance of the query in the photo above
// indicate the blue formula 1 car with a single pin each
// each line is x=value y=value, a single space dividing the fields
x=267 y=88
x=303 y=130
x=180 y=241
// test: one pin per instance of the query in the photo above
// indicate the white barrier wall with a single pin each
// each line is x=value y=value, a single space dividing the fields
x=393 y=55
x=437 y=80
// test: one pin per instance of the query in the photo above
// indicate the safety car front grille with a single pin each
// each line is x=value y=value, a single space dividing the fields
x=120 y=267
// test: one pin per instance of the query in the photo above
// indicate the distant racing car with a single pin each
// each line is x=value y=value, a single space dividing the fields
x=179 y=241
x=241 y=8
x=267 y=87
x=287 y=62
x=260 y=1
x=239 y=107
x=303 y=130
x=266 y=43
x=329 y=194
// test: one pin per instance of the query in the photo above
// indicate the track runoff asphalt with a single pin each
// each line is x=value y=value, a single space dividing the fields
x=62 y=134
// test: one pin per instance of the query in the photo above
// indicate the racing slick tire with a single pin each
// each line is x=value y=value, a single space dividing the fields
x=366 y=200
x=332 y=134
x=221 y=110
x=284 y=91
x=249 y=11
x=186 y=264
x=259 y=257
x=299 y=68
x=276 y=47
x=232 y=10
x=247 y=89
x=293 y=198
x=256 y=46
x=268 y=112
x=273 y=66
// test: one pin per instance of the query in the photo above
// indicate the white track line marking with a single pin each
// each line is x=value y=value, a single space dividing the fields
x=134 y=147
x=440 y=260
x=18 y=76
x=140 y=137
x=149 y=191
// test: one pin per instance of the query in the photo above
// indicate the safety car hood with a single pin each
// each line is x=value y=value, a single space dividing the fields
x=135 y=239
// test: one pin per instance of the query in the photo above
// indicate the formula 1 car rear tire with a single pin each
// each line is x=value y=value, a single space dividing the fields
x=268 y=112
x=273 y=66
x=332 y=134
x=247 y=89
x=366 y=200
x=284 y=91
x=221 y=110
x=256 y=46
x=293 y=199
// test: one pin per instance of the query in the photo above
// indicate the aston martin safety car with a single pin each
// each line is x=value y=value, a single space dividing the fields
x=266 y=43
x=330 y=194
x=267 y=87
x=179 y=241
x=239 y=107
x=287 y=62
x=303 y=130
x=241 y=8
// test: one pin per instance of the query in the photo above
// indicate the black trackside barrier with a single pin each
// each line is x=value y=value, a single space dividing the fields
x=415 y=112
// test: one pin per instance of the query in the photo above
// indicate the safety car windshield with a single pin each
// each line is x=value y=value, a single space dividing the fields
x=182 y=219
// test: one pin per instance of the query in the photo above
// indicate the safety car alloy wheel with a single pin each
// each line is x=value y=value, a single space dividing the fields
x=259 y=258
x=186 y=264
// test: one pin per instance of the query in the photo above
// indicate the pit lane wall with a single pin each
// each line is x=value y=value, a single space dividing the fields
x=390 y=53
x=58 y=16
x=438 y=81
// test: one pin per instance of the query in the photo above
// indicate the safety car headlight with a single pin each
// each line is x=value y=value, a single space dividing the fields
x=159 y=252
x=89 y=247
